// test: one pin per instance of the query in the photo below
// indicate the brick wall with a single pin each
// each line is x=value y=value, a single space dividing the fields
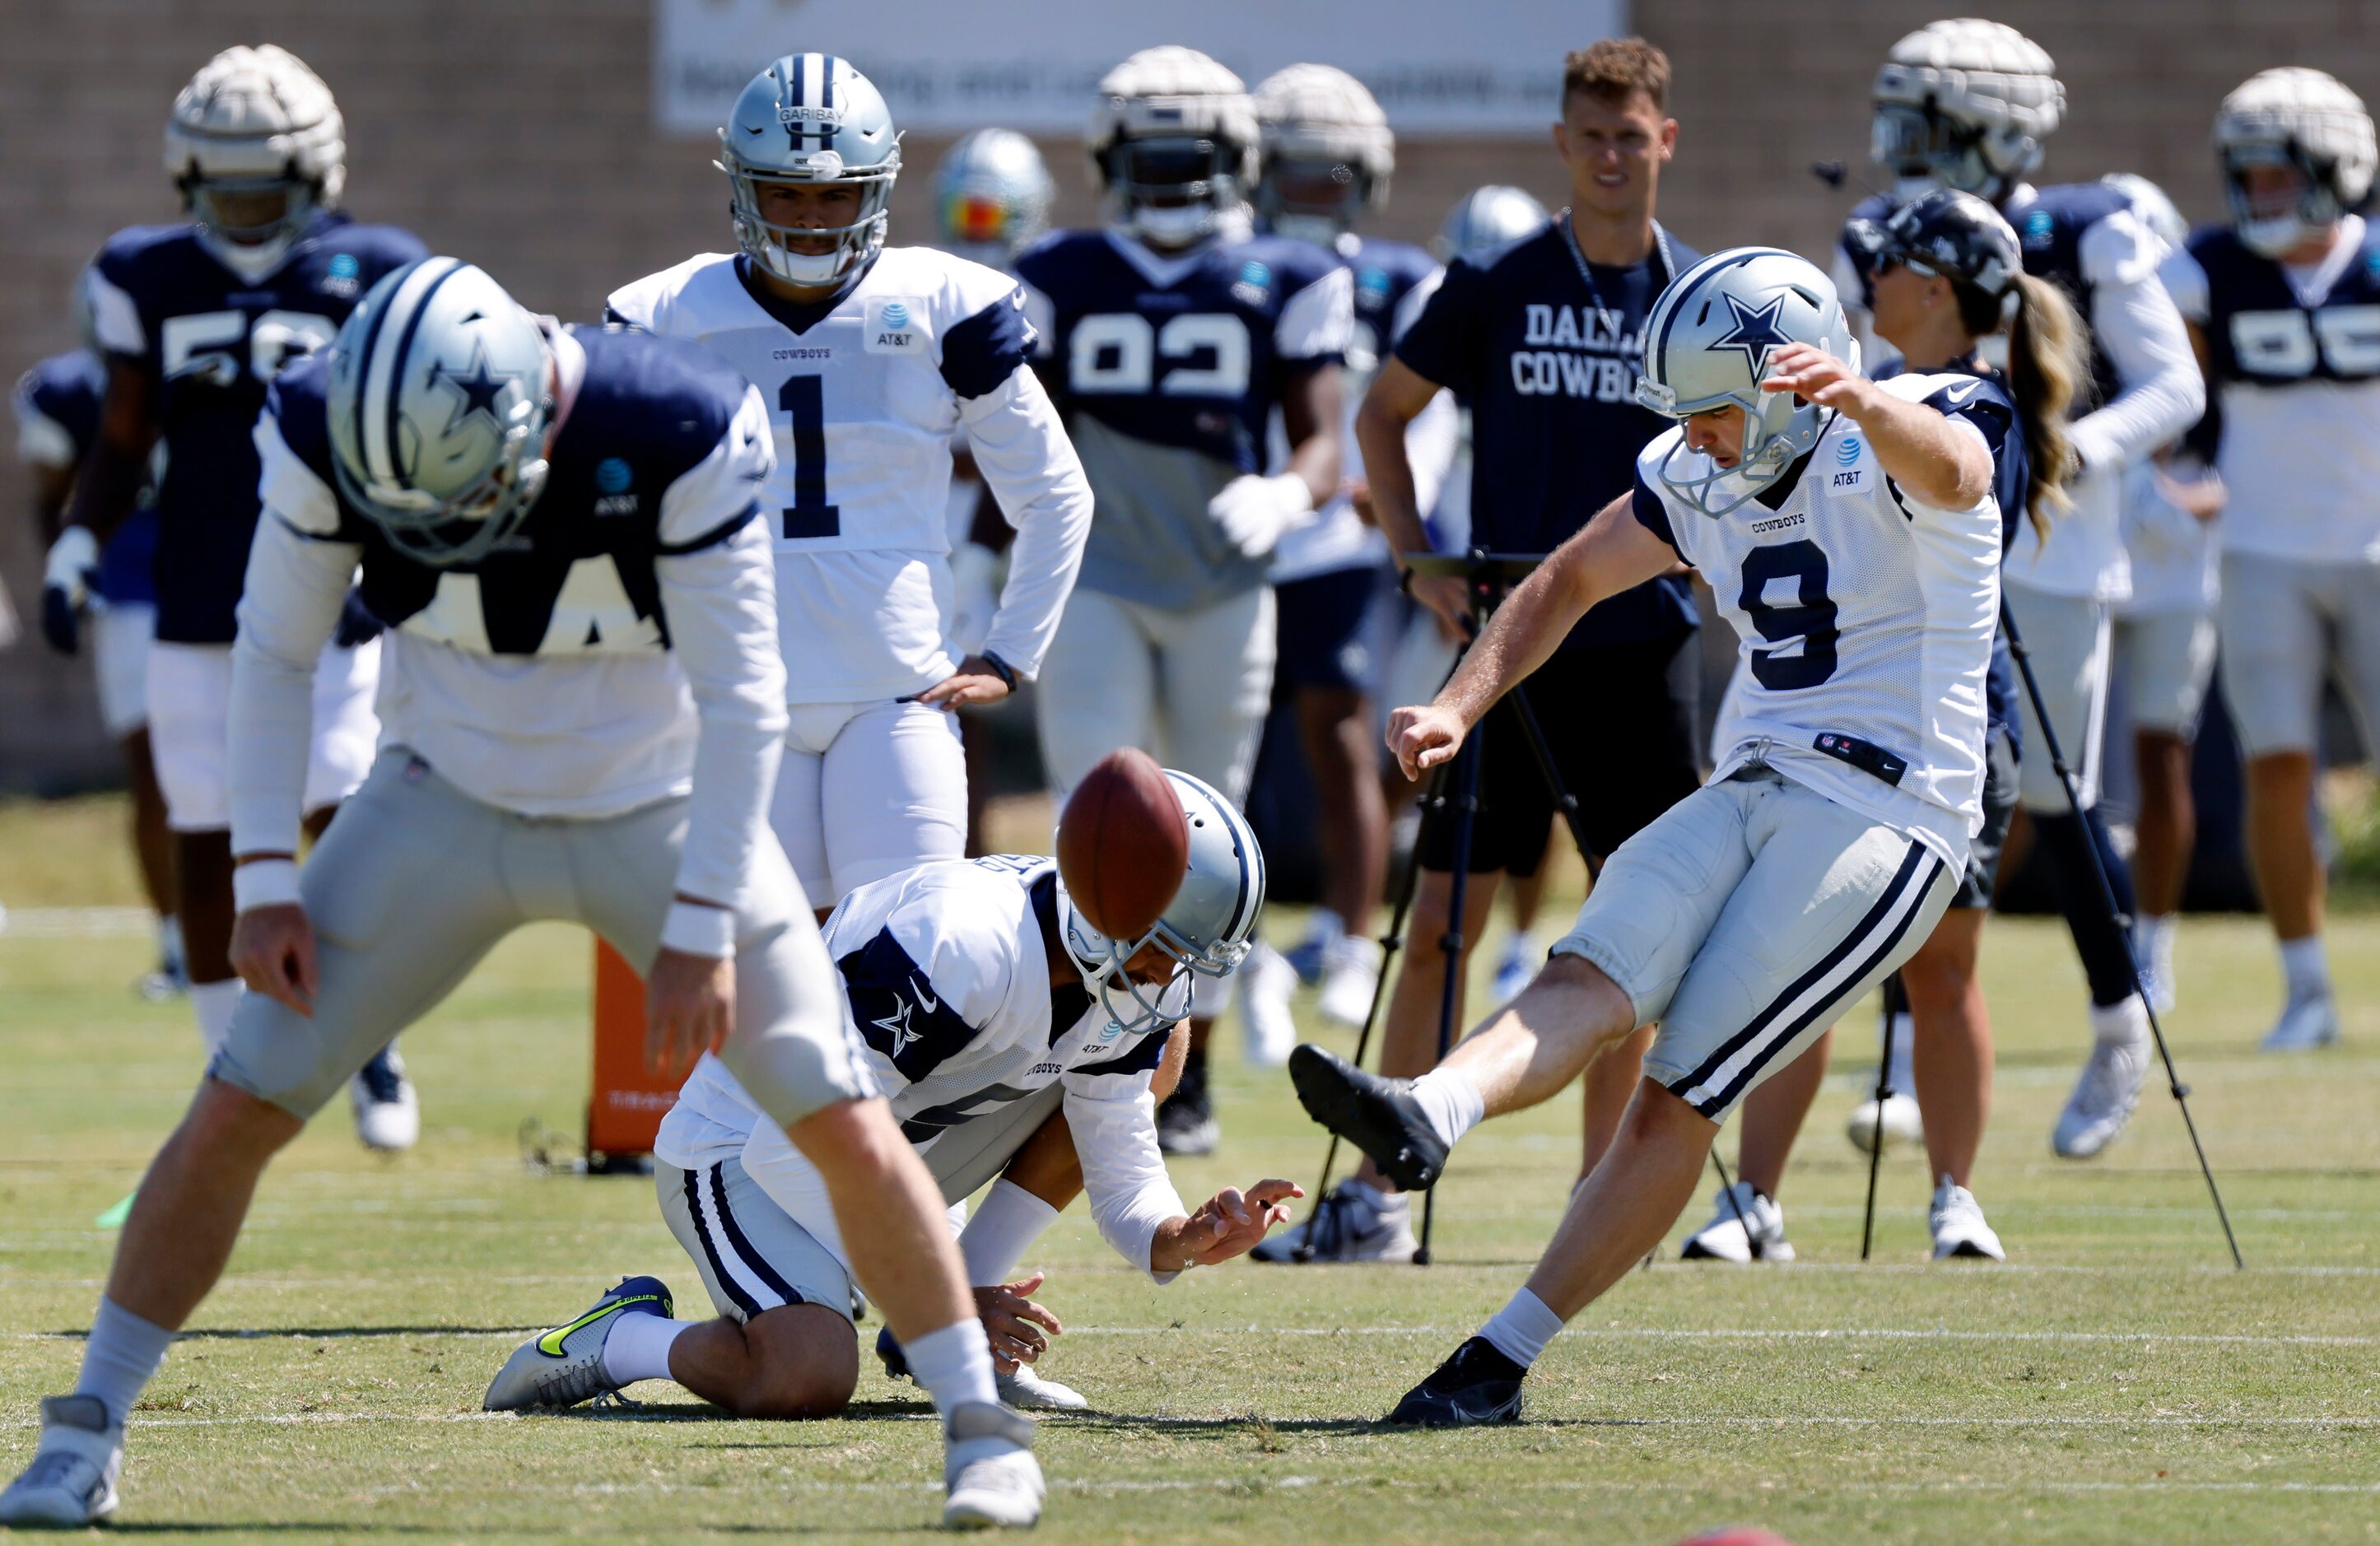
x=518 y=134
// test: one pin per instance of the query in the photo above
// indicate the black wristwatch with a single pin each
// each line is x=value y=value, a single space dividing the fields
x=1002 y=669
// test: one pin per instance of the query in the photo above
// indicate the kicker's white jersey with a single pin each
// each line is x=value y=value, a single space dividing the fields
x=1866 y=619
x=866 y=392
x=945 y=970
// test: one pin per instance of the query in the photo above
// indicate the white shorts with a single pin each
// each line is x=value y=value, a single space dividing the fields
x=1189 y=688
x=2166 y=659
x=1745 y=919
x=2286 y=624
x=189 y=734
x=2066 y=637
x=867 y=790
x=120 y=636
x=752 y=1254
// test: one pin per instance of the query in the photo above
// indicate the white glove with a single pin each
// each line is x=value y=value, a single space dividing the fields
x=974 y=596
x=1256 y=511
x=73 y=559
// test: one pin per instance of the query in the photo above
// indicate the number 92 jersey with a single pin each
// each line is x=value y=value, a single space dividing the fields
x=1865 y=618
x=864 y=391
x=1169 y=369
x=210 y=343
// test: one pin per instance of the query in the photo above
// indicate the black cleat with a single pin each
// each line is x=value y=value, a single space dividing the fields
x=1476 y=1385
x=1185 y=1121
x=1379 y=1117
x=889 y=1353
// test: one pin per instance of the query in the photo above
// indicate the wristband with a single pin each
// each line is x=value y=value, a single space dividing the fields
x=1002 y=669
x=264 y=882
x=695 y=929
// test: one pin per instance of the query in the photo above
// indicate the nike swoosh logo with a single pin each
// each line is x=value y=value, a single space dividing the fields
x=924 y=1002
x=1960 y=393
x=551 y=1343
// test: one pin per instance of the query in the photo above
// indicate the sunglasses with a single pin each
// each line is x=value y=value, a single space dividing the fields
x=1885 y=262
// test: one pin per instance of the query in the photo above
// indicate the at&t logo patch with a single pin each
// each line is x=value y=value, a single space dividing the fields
x=892 y=327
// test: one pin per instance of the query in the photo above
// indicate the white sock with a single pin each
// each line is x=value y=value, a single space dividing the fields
x=121 y=1356
x=1452 y=1104
x=169 y=941
x=2153 y=942
x=214 y=1002
x=1004 y=1227
x=637 y=1346
x=2306 y=968
x=1521 y=1330
x=954 y=1364
x=2120 y=1024
x=1900 y=1076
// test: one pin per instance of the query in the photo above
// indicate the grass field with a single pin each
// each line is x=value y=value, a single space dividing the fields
x=2114 y=1380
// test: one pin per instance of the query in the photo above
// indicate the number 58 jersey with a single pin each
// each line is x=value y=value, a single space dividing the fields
x=864 y=391
x=1865 y=618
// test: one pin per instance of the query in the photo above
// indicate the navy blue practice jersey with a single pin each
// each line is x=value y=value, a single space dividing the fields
x=63 y=393
x=211 y=342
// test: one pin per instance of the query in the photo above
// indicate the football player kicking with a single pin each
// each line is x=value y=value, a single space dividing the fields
x=1852 y=537
x=1169 y=339
x=2282 y=304
x=585 y=702
x=1009 y=1036
x=872 y=358
x=195 y=320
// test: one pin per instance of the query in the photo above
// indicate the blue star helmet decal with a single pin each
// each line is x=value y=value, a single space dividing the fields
x=1754 y=333
x=478 y=388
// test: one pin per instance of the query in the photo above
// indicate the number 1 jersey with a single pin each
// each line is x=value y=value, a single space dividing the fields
x=1865 y=617
x=864 y=391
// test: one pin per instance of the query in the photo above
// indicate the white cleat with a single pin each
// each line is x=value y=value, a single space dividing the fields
x=1027 y=1391
x=71 y=1481
x=1747 y=1227
x=1351 y=978
x=1902 y=1124
x=2306 y=1024
x=989 y=1478
x=388 y=1114
x=1355 y=1222
x=1267 y=1028
x=1517 y=970
x=2111 y=1086
x=1958 y=1228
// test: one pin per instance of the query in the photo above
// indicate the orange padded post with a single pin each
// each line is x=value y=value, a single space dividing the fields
x=630 y=1099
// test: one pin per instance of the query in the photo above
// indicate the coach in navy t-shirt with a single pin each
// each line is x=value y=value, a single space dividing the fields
x=1542 y=340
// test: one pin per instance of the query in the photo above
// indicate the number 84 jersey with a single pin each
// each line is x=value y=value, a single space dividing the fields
x=1865 y=618
x=864 y=391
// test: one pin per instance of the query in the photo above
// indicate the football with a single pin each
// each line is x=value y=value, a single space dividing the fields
x=1123 y=844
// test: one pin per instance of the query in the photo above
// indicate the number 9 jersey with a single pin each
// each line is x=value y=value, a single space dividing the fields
x=1865 y=618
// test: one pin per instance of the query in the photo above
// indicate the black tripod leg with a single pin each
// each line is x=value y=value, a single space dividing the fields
x=2107 y=899
x=1466 y=815
x=1433 y=802
x=1875 y=1135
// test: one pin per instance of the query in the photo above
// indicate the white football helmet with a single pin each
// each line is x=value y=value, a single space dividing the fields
x=809 y=118
x=441 y=394
x=256 y=146
x=1205 y=928
x=2307 y=122
x=2151 y=206
x=1965 y=105
x=1487 y=218
x=1325 y=152
x=993 y=192
x=1172 y=144
x=1709 y=338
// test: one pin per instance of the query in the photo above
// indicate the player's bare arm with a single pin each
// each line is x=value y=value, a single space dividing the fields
x=1939 y=465
x=1397 y=395
x=110 y=482
x=690 y=1003
x=1309 y=416
x=1610 y=554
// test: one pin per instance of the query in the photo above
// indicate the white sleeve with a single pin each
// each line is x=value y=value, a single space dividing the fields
x=1319 y=318
x=636 y=304
x=1043 y=315
x=42 y=441
x=2185 y=280
x=115 y=319
x=2160 y=392
x=1874 y=352
x=288 y=609
x=1022 y=450
x=1416 y=300
x=1432 y=441
x=719 y=591
x=1113 y=1119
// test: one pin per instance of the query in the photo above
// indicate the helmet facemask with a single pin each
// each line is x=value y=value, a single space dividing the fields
x=766 y=243
x=2272 y=223
x=1133 y=1007
x=1174 y=190
x=1311 y=198
x=249 y=223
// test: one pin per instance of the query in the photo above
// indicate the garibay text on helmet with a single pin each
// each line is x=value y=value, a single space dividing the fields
x=1708 y=345
x=2308 y=123
x=256 y=146
x=1964 y=104
x=809 y=118
x=1205 y=928
x=1324 y=151
x=441 y=394
x=1172 y=144
x=992 y=193
x=1487 y=218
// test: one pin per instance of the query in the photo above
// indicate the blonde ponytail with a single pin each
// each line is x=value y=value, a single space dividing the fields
x=2048 y=367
